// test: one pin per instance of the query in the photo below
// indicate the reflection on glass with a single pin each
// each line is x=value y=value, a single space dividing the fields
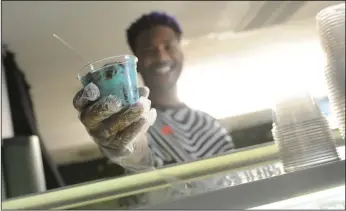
x=179 y=189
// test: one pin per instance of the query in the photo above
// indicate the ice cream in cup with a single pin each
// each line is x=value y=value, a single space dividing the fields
x=115 y=76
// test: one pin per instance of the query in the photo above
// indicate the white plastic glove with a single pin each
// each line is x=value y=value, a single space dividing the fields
x=119 y=131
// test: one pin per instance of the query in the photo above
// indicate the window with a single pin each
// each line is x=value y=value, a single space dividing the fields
x=228 y=85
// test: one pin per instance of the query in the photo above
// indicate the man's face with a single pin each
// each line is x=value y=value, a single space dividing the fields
x=160 y=58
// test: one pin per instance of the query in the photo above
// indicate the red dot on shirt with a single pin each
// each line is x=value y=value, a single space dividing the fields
x=166 y=130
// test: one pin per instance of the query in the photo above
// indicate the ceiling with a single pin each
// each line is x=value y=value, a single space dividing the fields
x=96 y=30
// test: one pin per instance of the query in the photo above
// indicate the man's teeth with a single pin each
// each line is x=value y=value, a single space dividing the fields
x=163 y=70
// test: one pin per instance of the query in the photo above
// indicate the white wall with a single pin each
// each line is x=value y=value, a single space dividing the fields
x=235 y=85
x=6 y=120
x=274 y=63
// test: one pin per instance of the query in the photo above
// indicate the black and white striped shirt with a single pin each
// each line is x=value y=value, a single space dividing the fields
x=182 y=134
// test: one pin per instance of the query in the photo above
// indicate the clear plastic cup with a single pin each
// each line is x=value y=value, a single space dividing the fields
x=302 y=133
x=295 y=109
x=115 y=76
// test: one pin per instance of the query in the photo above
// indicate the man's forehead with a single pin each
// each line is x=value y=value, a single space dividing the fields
x=155 y=36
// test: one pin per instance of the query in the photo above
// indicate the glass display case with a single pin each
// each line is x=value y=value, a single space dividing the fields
x=254 y=179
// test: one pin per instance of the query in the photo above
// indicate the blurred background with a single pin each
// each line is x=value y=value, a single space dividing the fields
x=250 y=52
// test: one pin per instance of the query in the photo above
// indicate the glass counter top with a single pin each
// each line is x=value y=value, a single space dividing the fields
x=243 y=168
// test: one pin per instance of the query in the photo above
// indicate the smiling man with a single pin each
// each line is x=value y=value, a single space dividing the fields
x=179 y=133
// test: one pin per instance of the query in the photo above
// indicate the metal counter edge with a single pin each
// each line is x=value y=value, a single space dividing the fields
x=95 y=192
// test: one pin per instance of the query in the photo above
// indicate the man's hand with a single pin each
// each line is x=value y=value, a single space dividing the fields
x=113 y=127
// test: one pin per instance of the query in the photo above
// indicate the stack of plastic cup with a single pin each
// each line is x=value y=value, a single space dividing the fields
x=331 y=28
x=302 y=134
